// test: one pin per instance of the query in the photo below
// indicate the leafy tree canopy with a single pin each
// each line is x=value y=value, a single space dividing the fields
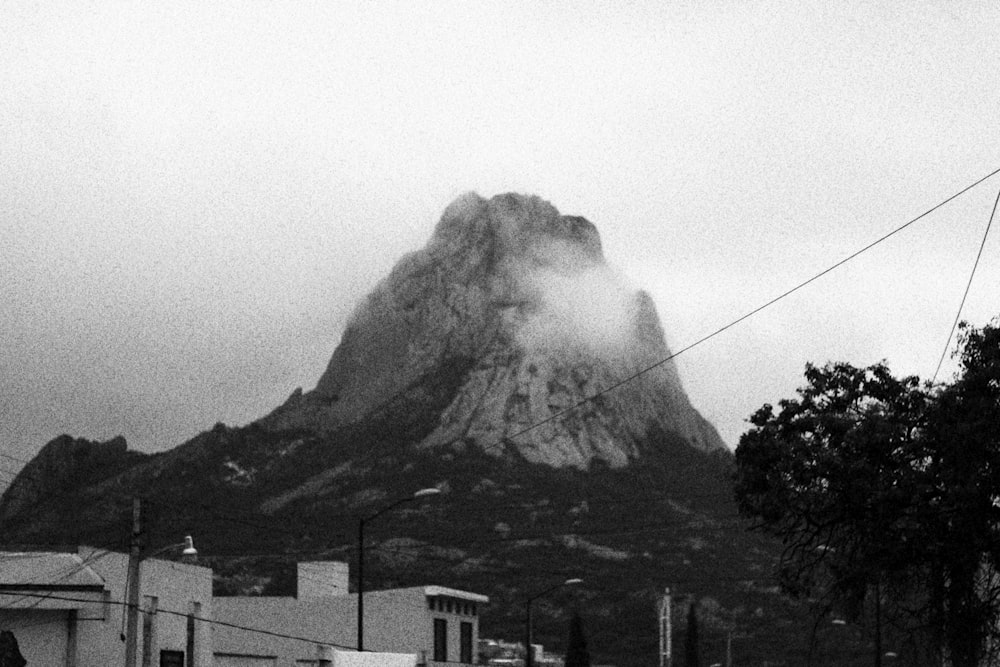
x=888 y=490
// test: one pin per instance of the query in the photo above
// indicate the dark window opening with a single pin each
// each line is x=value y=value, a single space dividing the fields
x=466 y=643
x=171 y=658
x=440 y=640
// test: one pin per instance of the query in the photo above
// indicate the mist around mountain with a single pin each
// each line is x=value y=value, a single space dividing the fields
x=519 y=302
x=500 y=363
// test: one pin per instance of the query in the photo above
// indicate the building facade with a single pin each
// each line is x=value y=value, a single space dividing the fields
x=437 y=624
x=68 y=609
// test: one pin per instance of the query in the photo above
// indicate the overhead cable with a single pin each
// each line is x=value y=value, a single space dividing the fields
x=965 y=294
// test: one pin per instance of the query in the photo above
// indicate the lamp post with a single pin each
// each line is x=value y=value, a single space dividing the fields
x=529 y=659
x=135 y=558
x=422 y=493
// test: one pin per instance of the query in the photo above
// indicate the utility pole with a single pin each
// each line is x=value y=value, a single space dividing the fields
x=132 y=608
x=361 y=585
x=666 y=631
x=422 y=493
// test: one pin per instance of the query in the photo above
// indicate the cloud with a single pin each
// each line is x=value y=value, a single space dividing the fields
x=573 y=304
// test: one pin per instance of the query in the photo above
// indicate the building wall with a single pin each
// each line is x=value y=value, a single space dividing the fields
x=396 y=621
x=321 y=579
x=306 y=622
x=402 y=620
x=41 y=634
x=454 y=611
x=178 y=589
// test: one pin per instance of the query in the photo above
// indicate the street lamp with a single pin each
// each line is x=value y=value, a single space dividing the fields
x=878 y=653
x=528 y=657
x=422 y=493
x=188 y=555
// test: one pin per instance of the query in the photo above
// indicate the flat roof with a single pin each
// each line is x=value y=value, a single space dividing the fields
x=46 y=569
x=434 y=591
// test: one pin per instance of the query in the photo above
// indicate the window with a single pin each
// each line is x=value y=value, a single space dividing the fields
x=449 y=606
x=465 y=639
x=430 y=603
x=440 y=640
x=171 y=658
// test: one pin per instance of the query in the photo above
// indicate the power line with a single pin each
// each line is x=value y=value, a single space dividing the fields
x=651 y=367
x=98 y=554
x=376 y=450
x=202 y=619
x=752 y=312
x=968 y=285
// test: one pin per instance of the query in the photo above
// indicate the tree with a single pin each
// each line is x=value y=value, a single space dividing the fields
x=576 y=648
x=10 y=653
x=965 y=469
x=691 y=656
x=887 y=491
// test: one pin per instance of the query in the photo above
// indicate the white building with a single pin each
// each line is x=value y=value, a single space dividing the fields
x=67 y=609
x=439 y=625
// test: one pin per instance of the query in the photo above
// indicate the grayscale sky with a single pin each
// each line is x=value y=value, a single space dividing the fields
x=193 y=196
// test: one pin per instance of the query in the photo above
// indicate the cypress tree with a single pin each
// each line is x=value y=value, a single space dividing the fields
x=576 y=648
x=691 y=658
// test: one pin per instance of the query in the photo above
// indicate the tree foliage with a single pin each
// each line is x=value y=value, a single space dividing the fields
x=885 y=486
x=692 y=656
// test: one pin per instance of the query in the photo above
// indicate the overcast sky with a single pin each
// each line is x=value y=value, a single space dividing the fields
x=193 y=196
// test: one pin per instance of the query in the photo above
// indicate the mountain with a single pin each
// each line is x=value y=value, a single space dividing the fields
x=509 y=365
x=518 y=301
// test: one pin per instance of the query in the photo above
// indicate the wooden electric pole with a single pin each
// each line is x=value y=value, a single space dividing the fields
x=132 y=608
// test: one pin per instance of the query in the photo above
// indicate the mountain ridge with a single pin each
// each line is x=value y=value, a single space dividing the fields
x=435 y=382
x=522 y=298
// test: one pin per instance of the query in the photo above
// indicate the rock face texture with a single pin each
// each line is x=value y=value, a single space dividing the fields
x=535 y=331
x=499 y=364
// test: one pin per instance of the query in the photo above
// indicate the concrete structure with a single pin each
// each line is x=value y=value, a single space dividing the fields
x=438 y=625
x=500 y=653
x=67 y=609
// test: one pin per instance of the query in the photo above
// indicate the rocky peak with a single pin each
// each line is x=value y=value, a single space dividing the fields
x=65 y=462
x=519 y=227
x=517 y=302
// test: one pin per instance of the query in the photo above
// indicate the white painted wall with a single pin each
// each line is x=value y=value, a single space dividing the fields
x=311 y=621
x=41 y=633
x=177 y=587
x=396 y=621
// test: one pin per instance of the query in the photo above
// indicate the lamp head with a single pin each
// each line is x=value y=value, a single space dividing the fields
x=572 y=582
x=189 y=550
x=432 y=491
